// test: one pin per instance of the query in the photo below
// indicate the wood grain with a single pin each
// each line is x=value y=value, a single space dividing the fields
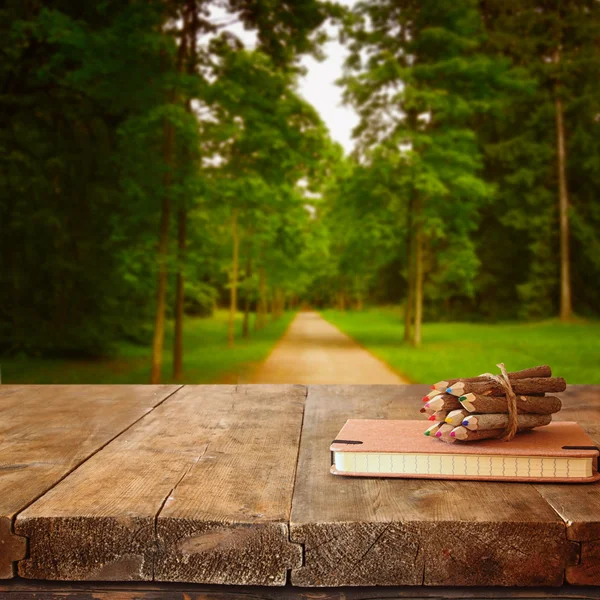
x=543 y=405
x=579 y=504
x=541 y=371
x=359 y=531
x=46 y=431
x=587 y=572
x=199 y=490
x=538 y=385
x=228 y=521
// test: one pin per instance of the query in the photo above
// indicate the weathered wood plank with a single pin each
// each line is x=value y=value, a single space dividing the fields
x=587 y=571
x=579 y=505
x=199 y=490
x=359 y=531
x=228 y=520
x=46 y=431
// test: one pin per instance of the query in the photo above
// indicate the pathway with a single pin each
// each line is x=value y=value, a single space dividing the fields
x=314 y=351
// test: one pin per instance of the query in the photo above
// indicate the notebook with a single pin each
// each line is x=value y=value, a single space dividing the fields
x=559 y=452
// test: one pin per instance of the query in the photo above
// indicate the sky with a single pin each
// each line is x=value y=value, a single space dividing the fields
x=318 y=85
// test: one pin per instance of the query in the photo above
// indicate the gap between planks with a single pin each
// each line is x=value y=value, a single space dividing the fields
x=575 y=545
x=169 y=523
x=288 y=579
x=20 y=543
x=328 y=410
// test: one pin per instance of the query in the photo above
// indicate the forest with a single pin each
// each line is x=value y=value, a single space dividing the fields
x=154 y=168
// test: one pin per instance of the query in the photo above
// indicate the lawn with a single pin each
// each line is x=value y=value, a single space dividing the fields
x=468 y=349
x=207 y=359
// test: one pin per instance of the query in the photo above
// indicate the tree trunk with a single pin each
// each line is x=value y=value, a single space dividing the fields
x=418 y=286
x=188 y=50
x=275 y=304
x=410 y=269
x=247 y=302
x=163 y=243
x=234 y=277
x=165 y=216
x=410 y=293
x=358 y=293
x=563 y=203
x=261 y=316
x=179 y=295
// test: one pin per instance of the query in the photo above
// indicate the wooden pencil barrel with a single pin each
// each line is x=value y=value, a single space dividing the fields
x=540 y=405
x=541 y=371
x=539 y=385
x=482 y=422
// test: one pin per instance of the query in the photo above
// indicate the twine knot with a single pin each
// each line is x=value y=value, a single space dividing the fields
x=503 y=380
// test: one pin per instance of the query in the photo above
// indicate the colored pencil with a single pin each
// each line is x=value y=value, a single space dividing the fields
x=431 y=395
x=430 y=431
x=462 y=434
x=456 y=417
x=539 y=385
x=541 y=371
x=540 y=405
x=443 y=433
x=443 y=402
x=439 y=415
x=498 y=421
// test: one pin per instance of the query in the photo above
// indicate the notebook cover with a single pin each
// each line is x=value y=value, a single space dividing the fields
x=384 y=436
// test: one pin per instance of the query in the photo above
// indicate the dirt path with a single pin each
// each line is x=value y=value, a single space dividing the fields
x=314 y=351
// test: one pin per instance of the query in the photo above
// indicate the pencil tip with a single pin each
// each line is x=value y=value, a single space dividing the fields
x=438 y=434
x=433 y=387
x=465 y=422
x=452 y=434
x=447 y=420
x=449 y=390
x=432 y=418
x=462 y=398
x=427 y=405
x=427 y=433
x=425 y=398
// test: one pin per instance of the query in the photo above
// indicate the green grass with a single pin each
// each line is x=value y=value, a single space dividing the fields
x=207 y=359
x=468 y=349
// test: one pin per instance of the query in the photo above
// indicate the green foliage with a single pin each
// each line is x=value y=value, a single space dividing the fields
x=419 y=78
x=208 y=359
x=520 y=143
x=89 y=90
x=66 y=94
x=457 y=139
x=459 y=97
x=469 y=349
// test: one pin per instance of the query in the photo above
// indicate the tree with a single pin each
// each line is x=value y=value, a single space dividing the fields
x=418 y=78
x=362 y=208
x=269 y=139
x=283 y=29
x=554 y=141
x=75 y=277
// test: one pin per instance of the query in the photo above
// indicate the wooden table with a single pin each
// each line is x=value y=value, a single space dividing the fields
x=230 y=485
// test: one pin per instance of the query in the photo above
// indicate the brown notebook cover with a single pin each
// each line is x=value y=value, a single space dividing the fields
x=389 y=437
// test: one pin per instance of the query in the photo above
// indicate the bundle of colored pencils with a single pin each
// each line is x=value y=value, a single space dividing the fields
x=476 y=408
